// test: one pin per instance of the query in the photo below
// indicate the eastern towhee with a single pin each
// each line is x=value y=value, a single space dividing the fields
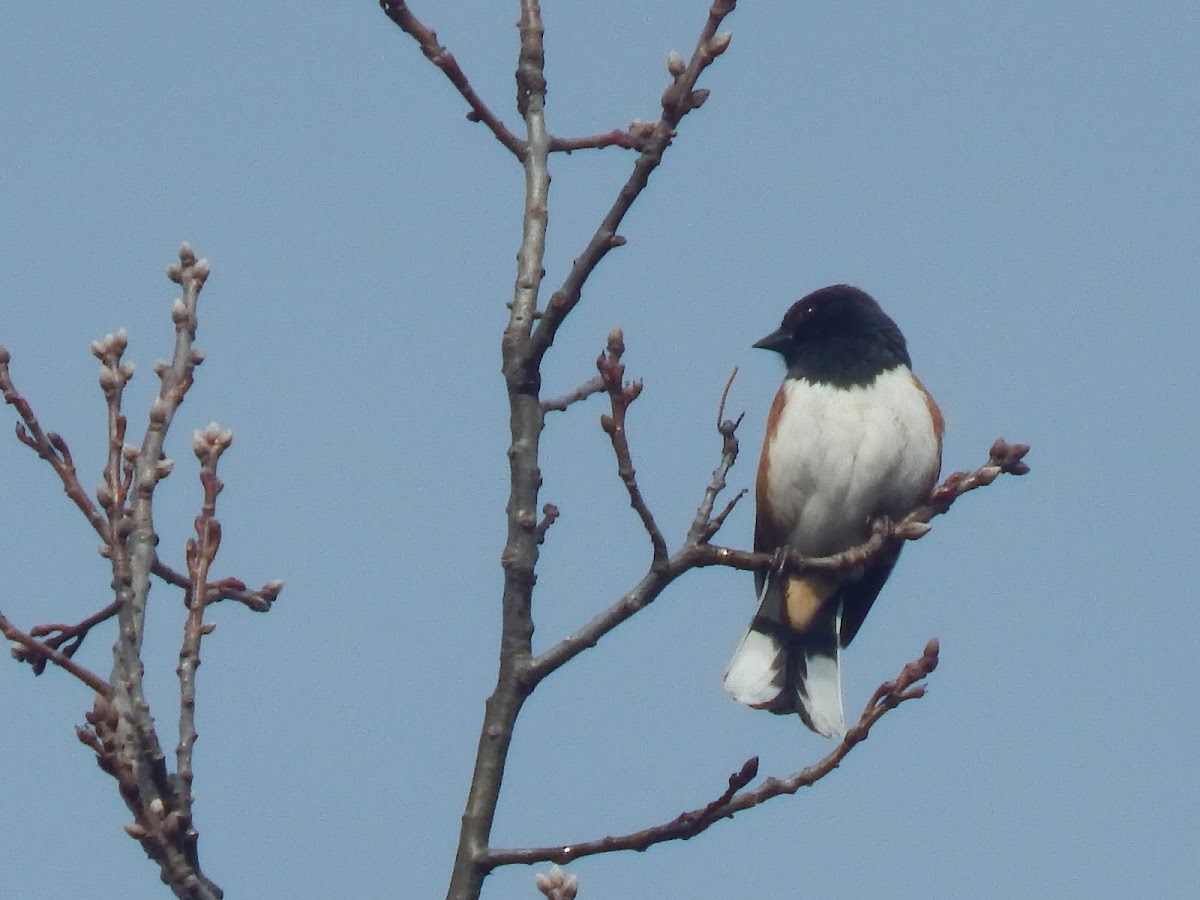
x=852 y=435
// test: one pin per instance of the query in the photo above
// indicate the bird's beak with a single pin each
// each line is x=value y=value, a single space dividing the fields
x=776 y=340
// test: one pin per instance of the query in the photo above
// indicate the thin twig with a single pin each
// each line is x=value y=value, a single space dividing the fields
x=687 y=825
x=58 y=634
x=1004 y=458
x=50 y=447
x=593 y=385
x=53 y=448
x=678 y=100
x=704 y=526
x=632 y=138
x=34 y=648
x=208 y=445
x=621 y=395
x=398 y=12
x=256 y=600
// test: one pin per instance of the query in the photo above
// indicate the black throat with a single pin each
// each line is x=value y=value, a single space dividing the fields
x=848 y=360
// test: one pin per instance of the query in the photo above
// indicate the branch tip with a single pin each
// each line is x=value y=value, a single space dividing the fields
x=616 y=343
x=722 y=425
x=550 y=514
x=738 y=796
x=427 y=40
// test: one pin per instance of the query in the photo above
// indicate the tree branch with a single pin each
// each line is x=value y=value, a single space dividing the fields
x=53 y=448
x=528 y=336
x=737 y=798
x=522 y=377
x=256 y=600
x=1003 y=459
x=54 y=636
x=398 y=12
x=633 y=138
x=208 y=445
x=593 y=385
x=678 y=100
x=29 y=647
x=121 y=727
x=622 y=395
x=50 y=447
x=57 y=634
x=704 y=526
x=696 y=553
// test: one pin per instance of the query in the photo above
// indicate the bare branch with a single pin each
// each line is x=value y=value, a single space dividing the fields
x=122 y=729
x=257 y=600
x=704 y=526
x=678 y=100
x=1003 y=458
x=53 y=448
x=398 y=12
x=55 y=635
x=612 y=372
x=530 y=332
x=58 y=634
x=593 y=385
x=719 y=519
x=50 y=447
x=208 y=445
x=736 y=799
x=633 y=138
x=522 y=377
x=29 y=647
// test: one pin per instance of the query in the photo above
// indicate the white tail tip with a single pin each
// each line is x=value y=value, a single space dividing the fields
x=821 y=696
x=757 y=672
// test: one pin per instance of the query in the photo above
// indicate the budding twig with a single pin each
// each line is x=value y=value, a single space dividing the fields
x=622 y=394
x=426 y=39
x=739 y=796
x=594 y=385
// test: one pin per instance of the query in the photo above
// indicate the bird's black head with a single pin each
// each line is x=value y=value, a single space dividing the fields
x=838 y=335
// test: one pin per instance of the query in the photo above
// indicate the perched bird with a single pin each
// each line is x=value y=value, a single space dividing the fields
x=852 y=435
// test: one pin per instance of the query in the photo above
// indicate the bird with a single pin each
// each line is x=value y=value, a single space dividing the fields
x=852 y=436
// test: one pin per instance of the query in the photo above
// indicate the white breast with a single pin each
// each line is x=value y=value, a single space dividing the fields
x=852 y=454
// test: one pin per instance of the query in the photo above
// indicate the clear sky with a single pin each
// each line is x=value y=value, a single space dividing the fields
x=1018 y=188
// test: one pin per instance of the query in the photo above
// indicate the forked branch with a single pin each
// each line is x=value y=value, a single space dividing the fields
x=530 y=333
x=679 y=98
x=120 y=727
x=427 y=40
x=739 y=796
x=698 y=551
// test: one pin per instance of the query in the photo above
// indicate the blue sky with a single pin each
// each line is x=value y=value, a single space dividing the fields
x=1016 y=186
